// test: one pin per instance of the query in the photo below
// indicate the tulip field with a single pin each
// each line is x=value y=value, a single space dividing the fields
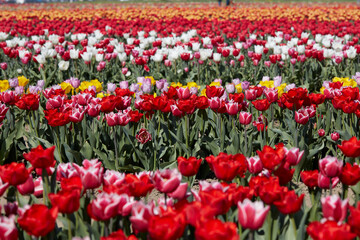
x=164 y=121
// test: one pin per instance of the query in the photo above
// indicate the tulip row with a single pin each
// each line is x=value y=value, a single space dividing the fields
x=124 y=209
x=301 y=52
x=166 y=119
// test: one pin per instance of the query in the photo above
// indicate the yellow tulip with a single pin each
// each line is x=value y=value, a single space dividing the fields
x=67 y=87
x=23 y=81
x=4 y=85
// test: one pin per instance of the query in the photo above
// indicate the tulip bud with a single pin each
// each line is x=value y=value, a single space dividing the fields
x=321 y=132
x=3 y=66
x=335 y=136
x=334 y=208
x=254 y=165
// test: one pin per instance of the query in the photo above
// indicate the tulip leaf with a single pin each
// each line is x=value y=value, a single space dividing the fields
x=86 y=150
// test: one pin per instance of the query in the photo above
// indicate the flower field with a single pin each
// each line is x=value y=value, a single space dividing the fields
x=231 y=117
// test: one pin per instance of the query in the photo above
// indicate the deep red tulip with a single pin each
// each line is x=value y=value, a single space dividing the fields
x=289 y=202
x=261 y=105
x=350 y=175
x=41 y=158
x=226 y=167
x=310 y=178
x=38 y=220
x=66 y=201
x=188 y=166
x=271 y=157
x=320 y=231
x=216 y=230
x=14 y=173
x=350 y=148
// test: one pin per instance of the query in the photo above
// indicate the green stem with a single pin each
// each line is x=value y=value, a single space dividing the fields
x=69 y=227
x=293 y=223
x=58 y=142
x=116 y=150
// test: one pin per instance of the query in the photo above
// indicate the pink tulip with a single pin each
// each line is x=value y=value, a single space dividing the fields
x=180 y=192
x=3 y=66
x=335 y=136
x=330 y=166
x=214 y=103
x=267 y=63
x=334 y=209
x=176 y=111
x=55 y=102
x=112 y=119
x=245 y=118
x=39 y=189
x=271 y=95
x=93 y=110
x=27 y=187
x=252 y=214
x=140 y=216
x=66 y=170
x=8 y=229
x=91 y=173
x=254 y=164
x=293 y=156
x=84 y=98
x=301 y=117
x=124 y=71
x=77 y=115
x=167 y=180
x=250 y=94
x=8 y=97
x=105 y=206
x=293 y=61
x=183 y=92
x=232 y=108
x=324 y=182
x=123 y=118
x=115 y=178
x=321 y=132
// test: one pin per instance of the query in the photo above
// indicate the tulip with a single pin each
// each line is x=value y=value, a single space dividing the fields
x=140 y=216
x=301 y=117
x=180 y=192
x=335 y=136
x=252 y=214
x=188 y=166
x=41 y=158
x=324 y=181
x=254 y=165
x=216 y=229
x=115 y=178
x=28 y=187
x=11 y=208
x=350 y=148
x=334 y=208
x=321 y=230
x=350 y=175
x=293 y=156
x=3 y=66
x=8 y=229
x=167 y=180
x=321 y=132
x=183 y=92
x=232 y=108
x=330 y=166
x=245 y=118
x=91 y=173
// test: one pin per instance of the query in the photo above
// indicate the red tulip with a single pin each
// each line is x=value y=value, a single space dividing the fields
x=354 y=219
x=216 y=230
x=14 y=173
x=289 y=202
x=38 y=220
x=320 y=231
x=143 y=136
x=66 y=201
x=28 y=102
x=139 y=185
x=41 y=158
x=350 y=175
x=167 y=226
x=310 y=178
x=271 y=157
x=350 y=148
x=188 y=166
x=261 y=105
x=226 y=167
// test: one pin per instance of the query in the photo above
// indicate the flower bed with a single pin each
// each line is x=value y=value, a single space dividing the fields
x=100 y=109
